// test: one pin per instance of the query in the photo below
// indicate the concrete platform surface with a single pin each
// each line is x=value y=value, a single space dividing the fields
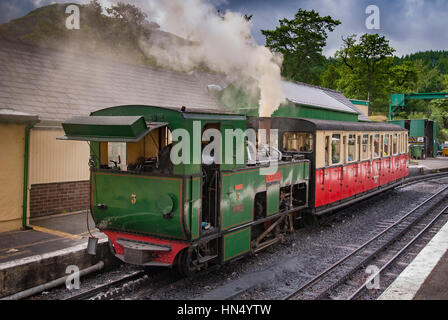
x=426 y=277
x=32 y=257
x=436 y=285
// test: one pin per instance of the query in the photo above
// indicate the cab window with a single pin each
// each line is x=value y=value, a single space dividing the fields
x=299 y=142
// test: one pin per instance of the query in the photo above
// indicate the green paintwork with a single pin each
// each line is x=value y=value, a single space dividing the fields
x=194 y=206
x=272 y=201
x=252 y=182
x=110 y=128
x=304 y=111
x=236 y=243
x=116 y=190
x=398 y=101
x=360 y=102
x=417 y=128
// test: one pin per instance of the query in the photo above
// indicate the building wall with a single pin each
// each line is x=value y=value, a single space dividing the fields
x=54 y=198
x=12 y=144
x=59 y=173
x=53 y=160
x=363 y=109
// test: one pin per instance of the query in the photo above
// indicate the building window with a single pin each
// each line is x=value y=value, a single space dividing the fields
x=365 y=147
x=336 y=149
x=376 y=146
x=299 y=142
x=351 y=148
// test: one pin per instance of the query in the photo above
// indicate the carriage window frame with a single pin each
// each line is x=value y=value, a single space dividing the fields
x=327 y=150
x=386 y=150
x=376 y=146
x=395 y=144
x=333 y=162
x=354 y=158
x=365 y=147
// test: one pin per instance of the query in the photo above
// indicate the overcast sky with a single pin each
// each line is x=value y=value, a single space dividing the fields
x=410 y=25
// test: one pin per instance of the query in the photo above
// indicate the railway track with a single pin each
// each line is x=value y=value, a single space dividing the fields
x=139 y=285
x=326 y=283
x=112 y=288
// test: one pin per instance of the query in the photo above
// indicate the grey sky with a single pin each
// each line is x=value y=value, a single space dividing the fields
x=410 y=25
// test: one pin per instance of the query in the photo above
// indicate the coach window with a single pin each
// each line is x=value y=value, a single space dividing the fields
x=386 y=145
x=351 y=148
x=376 y=146
x=336 y=149
x=365 y=147
x=327 y=151
x=395 y=144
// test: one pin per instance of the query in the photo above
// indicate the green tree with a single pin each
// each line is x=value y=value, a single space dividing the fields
x=301 y=41
x=367 y=65
x=331 y=77
x=404 y=77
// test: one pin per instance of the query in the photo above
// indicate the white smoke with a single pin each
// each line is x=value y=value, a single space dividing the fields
x=221 y=43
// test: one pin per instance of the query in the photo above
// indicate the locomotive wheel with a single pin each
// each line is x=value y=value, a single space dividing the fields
x=185 y=265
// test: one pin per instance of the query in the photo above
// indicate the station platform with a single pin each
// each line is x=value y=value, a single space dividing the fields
x=426 y=277
x=430 y=165
x=29 y=258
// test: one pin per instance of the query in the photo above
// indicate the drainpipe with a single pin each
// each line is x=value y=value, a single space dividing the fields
x=25 y=175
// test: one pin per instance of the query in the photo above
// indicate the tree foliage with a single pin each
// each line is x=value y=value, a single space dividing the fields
x=301 y=41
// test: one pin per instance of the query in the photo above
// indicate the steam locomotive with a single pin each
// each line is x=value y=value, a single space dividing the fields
x=162 y=202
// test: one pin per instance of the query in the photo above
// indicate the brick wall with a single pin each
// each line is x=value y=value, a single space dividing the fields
x=54 y=198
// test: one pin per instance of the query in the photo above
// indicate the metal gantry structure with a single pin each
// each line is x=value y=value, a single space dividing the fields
x=398 y=101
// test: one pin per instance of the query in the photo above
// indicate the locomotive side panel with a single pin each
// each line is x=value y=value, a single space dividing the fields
x=149 y=205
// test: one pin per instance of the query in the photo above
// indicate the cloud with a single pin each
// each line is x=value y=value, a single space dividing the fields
x=410 y=25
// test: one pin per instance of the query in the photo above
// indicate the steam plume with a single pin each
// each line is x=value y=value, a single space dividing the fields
x=220 y=43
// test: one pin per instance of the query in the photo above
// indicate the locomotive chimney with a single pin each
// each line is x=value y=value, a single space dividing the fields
x=264 y=124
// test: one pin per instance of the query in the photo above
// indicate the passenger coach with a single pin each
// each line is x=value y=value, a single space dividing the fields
x=349 y=160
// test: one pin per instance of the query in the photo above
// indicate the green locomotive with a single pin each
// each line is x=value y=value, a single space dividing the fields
x=195 y=212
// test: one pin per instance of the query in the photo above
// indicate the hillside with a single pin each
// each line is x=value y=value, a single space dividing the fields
x=111 y=35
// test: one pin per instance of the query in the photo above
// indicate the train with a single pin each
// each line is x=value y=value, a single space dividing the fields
x=160 y=195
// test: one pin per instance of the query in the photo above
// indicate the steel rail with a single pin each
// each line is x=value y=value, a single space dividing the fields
x=104 y=287
x=399 y=253
x=361 y=247
x=420 y=178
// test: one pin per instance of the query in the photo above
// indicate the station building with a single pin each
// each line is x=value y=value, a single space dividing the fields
x=41 y=87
